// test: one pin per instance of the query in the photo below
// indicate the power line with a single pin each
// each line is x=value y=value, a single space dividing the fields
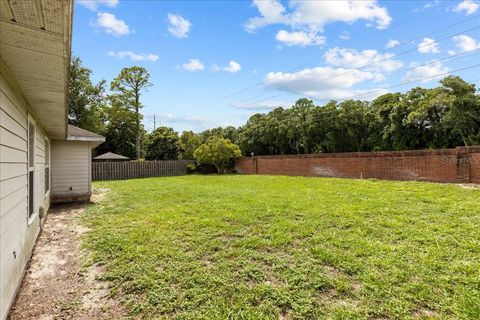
x=404 y=52
x=373 y=36
x=452 y=57
x=396 y=55
x=381 y=51
x=337 y=116
x=404 y=83
x=413 y=81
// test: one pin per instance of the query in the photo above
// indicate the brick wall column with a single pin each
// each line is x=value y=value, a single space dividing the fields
x=463 y=165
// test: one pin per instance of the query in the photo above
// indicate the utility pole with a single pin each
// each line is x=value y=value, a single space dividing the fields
x=154 y=123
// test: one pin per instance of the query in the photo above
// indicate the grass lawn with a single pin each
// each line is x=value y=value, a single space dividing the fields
x=264 y=247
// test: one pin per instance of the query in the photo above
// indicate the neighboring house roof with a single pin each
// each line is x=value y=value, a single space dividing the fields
x=111 y=156
x=79 y=134
x=35 y=55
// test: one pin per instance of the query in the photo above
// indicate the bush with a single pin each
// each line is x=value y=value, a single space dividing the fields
x=218 y=152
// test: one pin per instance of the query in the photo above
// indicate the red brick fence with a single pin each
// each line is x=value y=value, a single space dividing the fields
x=460 y=165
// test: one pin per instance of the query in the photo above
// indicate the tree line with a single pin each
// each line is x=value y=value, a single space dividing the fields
x=442 y=117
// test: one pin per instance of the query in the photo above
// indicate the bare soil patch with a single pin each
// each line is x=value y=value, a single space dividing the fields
x=469 y=185
x=56 y=284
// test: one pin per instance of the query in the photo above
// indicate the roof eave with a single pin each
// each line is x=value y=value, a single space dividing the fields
x=35 y=49
x=85 y=139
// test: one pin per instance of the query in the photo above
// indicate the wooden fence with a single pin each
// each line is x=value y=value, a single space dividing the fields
x=138 y=169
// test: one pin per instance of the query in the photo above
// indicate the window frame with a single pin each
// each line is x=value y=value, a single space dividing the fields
x=47 y=165
x=32 y=212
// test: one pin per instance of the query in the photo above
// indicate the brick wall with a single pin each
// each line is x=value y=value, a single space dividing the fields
x=461 y=165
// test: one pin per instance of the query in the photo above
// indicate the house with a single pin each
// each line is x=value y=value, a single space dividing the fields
x=71 y=162
x=110 y=157
x=41 y=157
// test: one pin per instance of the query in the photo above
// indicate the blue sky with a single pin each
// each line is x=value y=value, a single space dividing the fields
x=215 y=63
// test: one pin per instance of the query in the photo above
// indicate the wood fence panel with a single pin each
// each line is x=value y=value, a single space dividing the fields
x=141 y=169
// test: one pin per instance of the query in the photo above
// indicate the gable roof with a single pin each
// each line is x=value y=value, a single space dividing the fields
x=79 y=134
x=111 y=156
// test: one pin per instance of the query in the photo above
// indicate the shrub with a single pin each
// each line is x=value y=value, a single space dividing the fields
x=218 y=152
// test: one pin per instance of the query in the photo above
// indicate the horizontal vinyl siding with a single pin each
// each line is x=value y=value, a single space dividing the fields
x=16 y=126
x=16 y=141
x=70 y=168
x=20 y=204
x=10 y=154
x=12 y=170
x=12 y=185
x=13 y=223
x=16 y=235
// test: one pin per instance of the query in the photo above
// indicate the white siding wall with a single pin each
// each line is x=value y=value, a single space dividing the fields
x=71 y=174
x=17 y=234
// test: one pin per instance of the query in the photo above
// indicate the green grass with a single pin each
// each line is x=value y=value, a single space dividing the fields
x=264 y=247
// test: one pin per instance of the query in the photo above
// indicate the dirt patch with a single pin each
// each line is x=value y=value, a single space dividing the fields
x=424 y=313
x=98 y=195
x=469 y=185
x=55 y=284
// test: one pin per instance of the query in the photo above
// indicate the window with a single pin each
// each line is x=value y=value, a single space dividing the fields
x=31 y=167
x=47 y=166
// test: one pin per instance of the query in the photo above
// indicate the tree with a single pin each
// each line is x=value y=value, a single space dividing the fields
x=85 y=99
x=219 y=152
x=189 y=142
x=162 y=144
x=443 y=117
x=227 y=133
x=127 y=86
x=252 y=137
x=120 y=130
x=462 y=117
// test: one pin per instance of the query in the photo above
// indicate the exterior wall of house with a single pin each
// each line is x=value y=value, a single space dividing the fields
x=71 y=171
x=461 y=165
x=18 y=232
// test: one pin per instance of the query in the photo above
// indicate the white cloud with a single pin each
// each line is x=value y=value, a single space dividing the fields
x=466 y=43
x=133 y=56
x=196 y=122
x=271 y=12
x=469 y=6
x=431 y=4
x=193 y=65
x=110 y=24
x=183 y=118
x=232 y=67
x=94 y=4
x=178 y=25
x=428 y=46
x=374 y=60
x=392 y=43
x=262 y=105
x=427 y=71
x=215 y=68
x=345 y=35
x=428 y=5
x=314 y=15
x=320 y=13
x=320 y=82
x=300 y=38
